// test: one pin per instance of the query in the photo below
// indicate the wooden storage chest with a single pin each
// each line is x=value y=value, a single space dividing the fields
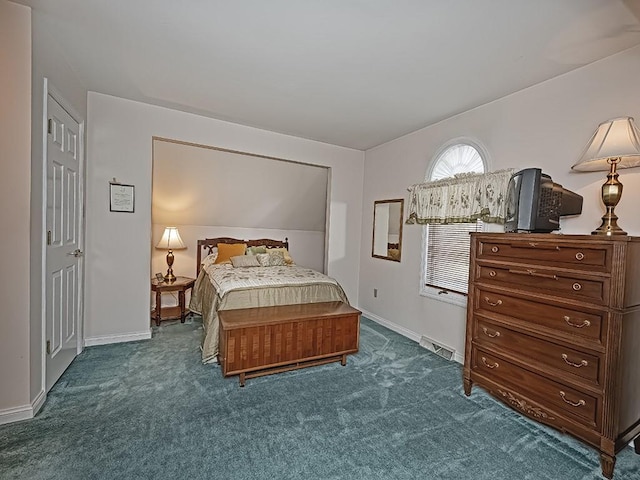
x=265 y=340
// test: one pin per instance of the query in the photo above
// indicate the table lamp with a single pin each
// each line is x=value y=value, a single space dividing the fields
x=170 y=241
x=615 y=144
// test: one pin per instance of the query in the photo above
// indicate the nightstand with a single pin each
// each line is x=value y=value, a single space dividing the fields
x=181 y=285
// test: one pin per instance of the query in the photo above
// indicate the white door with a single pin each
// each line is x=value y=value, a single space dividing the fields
x=63 y=250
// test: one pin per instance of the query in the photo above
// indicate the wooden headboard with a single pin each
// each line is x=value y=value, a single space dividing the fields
x=207 y=245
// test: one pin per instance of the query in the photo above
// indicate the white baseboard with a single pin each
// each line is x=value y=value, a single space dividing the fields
x=405 y=332
x=38 y=402
x=16 y=414
x=24 y=412
x=107 y=339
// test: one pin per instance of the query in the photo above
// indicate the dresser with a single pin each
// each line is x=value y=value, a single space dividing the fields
x=553 y=331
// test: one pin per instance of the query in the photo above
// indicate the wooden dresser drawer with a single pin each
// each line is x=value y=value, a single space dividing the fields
x=553 y=282
x=569 y=401
x=565 y=320
x=528 y=349
x=584 y=257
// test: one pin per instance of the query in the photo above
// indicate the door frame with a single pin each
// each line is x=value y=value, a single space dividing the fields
x=50 y=90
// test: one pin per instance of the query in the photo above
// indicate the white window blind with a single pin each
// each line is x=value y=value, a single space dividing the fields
x=447 y=255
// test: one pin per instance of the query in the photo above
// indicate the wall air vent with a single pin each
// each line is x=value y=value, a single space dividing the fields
x=435 y=347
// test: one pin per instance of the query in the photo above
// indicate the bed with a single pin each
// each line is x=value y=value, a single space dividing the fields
x=223 y=286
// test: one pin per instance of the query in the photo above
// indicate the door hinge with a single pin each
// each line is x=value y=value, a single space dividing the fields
x=49 y=127
x=48 y=237
x=48 y=347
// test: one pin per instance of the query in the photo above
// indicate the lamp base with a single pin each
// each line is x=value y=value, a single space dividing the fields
x=611 y=194
x=170 y=277
x=609 y=226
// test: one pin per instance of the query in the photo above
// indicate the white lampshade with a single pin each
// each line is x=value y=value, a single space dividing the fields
x=171 y=240
x=617 y=138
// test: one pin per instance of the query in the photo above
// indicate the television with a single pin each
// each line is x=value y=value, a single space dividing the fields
x=535 y=202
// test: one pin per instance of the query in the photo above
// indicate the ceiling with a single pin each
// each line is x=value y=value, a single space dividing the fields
x=355 y=73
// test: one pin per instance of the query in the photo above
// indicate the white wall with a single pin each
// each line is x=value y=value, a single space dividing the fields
x=15 y=151
x=544 y=126
x=195 y=185
x=118 y=245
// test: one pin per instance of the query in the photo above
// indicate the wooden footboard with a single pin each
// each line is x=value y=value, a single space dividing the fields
x=266 y=340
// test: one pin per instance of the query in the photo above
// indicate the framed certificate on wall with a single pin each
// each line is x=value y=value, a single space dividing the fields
x=121 y=197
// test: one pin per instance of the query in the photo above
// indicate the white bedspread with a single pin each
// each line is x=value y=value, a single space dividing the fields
x=226 y=278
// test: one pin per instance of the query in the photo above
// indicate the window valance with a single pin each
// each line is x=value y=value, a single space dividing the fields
x=463 y=198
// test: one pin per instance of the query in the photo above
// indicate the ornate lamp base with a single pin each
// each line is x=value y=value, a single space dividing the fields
x=611 y=194
x=609 y=226
x=170 y=277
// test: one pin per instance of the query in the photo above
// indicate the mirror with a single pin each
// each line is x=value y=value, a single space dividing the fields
x=387 y=229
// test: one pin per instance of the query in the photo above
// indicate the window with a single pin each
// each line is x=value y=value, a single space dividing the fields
x=446 y=247
x=459 y=158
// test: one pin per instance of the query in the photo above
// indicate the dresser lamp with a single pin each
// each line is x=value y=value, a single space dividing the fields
x=615 y=144
x=170 y=241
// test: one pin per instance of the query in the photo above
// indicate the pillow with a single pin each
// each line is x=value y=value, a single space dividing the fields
x=287 y=258
x=256 y=250
x=211 y=258
x=271 y=259
x=228 y=250
x=245 y=261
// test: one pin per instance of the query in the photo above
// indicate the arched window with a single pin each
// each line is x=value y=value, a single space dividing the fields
x=446 y=247
x=457 y=158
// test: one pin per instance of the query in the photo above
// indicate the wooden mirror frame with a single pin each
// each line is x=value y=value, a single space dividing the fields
x=383 y=227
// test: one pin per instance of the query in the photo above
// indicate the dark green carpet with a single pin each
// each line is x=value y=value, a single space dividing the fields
x=151 y=410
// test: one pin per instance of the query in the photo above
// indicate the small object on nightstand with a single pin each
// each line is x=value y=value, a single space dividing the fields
x=180 y=285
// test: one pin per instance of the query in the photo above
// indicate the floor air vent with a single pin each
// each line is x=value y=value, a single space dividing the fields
x=444 y=352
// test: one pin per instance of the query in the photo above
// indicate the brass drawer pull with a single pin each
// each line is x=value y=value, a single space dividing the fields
x=539 y=246
x=489 y=365
x=533 y=273
x=491 y=335
x=493 y=304
x=579 y=256
x=579 y=403
x=583 y=363
x=495 y=249
x=585 y=323
x=576 y=286
x=492 y=273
